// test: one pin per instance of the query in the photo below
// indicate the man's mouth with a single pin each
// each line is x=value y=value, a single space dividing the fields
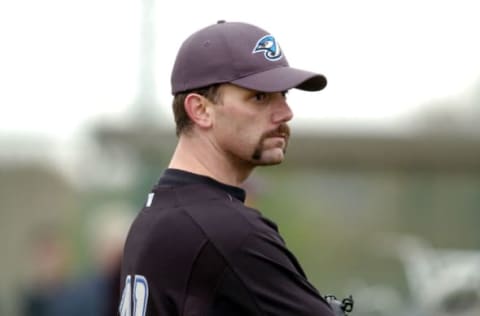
x=279 y=135
x=283 y=131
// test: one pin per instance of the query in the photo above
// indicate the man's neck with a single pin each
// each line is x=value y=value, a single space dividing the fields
x=199 y=156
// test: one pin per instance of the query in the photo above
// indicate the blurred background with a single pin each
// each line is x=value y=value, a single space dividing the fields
x=380 y=193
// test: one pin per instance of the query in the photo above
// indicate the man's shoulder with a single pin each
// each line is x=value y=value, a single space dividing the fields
x=202 y=209
x=217 y=212
x=222 y=218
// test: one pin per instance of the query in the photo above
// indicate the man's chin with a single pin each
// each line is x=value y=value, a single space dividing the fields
x=270 y=157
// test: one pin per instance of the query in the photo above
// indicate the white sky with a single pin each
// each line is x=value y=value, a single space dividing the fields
x=64 y=63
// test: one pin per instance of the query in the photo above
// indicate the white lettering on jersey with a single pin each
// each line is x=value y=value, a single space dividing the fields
x=140 y=297
x=150 y=199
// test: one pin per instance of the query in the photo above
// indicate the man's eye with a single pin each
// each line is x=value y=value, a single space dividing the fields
x=261 y=96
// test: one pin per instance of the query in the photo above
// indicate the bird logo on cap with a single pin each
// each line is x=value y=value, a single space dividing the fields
x=269 y=46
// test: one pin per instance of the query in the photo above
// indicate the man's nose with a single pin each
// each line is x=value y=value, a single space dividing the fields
x=282 y=112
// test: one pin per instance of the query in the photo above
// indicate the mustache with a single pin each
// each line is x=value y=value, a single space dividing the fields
x=283 y=130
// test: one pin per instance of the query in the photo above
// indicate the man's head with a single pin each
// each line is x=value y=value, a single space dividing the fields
x=238 y=53
x=230 y=79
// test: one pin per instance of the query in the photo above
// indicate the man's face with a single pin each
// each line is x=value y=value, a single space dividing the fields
x=251 y=126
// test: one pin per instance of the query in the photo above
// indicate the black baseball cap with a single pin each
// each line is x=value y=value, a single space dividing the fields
x=241 y=54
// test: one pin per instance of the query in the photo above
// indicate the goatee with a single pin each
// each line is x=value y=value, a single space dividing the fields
x=282 y=131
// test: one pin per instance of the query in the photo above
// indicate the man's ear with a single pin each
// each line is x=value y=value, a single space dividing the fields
x=196 y=107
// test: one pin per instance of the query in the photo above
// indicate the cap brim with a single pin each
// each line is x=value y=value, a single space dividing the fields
x=282 y=79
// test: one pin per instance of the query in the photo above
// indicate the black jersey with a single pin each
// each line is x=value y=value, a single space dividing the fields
x=196 y=249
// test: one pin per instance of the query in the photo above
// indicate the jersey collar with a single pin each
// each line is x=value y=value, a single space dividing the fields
x=177 y=177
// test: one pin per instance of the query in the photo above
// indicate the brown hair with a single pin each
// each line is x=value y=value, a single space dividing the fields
x=182 y=120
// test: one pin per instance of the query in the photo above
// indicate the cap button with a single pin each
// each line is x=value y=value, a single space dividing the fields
x=221 y=21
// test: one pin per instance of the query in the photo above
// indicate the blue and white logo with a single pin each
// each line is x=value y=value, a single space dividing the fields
x=270 y=48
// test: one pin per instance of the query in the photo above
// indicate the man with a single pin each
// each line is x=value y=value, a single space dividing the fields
x=195 y=248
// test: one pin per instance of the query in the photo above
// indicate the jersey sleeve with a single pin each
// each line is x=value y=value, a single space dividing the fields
x=273 y=279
